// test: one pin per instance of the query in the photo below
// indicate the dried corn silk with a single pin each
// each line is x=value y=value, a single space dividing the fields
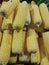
x=35 y=15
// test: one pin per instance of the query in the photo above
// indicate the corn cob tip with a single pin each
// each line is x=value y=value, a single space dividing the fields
x=32 y=2
x=25 y=2
x=42 y=4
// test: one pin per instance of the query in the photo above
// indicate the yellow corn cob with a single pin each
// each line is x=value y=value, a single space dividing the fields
x=13 y=59
x=35 y=58
x=35 y=14
x=20 y=18
x=44 y=14
x=32 y=43
x=44 y=59
x=10 y=6
x=0 y=37
x=18 y=41
x=7 y=21
x=5 y=48
x=46 y=42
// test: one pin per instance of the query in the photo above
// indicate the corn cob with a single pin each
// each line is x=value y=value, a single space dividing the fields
x=32 y=43
x=44 y=14
x=18 y=41
x=44 y=59
x=0 y=37
x=35 y=58
x=7 y=21
x=46 y=42
x=20 y=18
x=10 y=6
x=5 y=48
x=13 y=59
x=35 y=14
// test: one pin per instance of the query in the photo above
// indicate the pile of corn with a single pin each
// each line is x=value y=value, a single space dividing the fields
x=24 y=33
